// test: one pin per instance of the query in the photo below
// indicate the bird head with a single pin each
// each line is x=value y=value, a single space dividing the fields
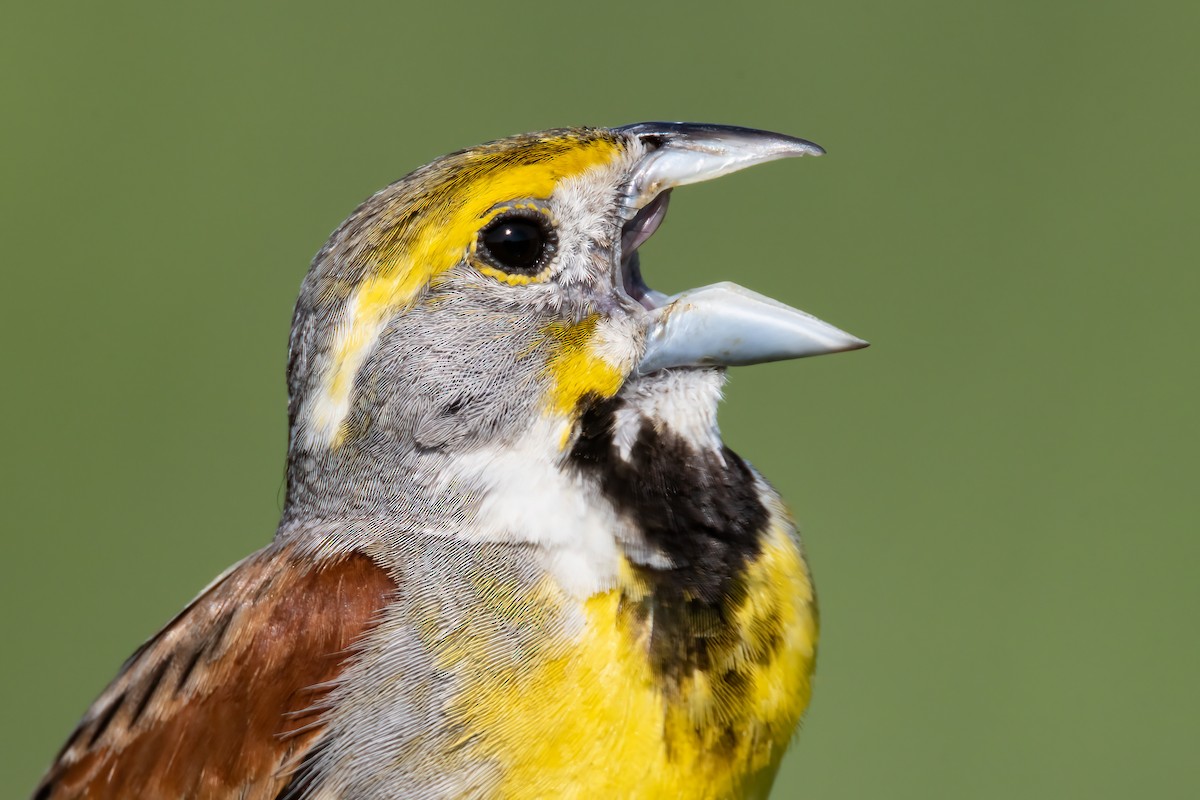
x=492 y=297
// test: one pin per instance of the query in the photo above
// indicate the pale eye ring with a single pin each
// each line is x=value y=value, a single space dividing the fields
x=518 y=242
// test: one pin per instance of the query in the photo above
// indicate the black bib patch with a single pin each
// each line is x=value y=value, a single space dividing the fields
x=703 y=510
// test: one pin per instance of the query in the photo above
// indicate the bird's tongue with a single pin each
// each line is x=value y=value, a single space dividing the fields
x=643 y=226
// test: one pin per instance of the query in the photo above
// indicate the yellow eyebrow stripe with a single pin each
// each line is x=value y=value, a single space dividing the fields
x=442 y=224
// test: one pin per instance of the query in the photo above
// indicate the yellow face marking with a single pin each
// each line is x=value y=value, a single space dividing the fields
x=439 y=228
x=575 y=369
x=555 y=719
x=511 y=278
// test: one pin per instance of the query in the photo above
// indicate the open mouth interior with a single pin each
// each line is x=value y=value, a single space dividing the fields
x=633 y=234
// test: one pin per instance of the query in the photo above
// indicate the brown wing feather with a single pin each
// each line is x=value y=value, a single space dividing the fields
x=225 y=701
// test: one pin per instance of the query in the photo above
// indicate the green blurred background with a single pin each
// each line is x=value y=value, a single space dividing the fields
x=999 y=497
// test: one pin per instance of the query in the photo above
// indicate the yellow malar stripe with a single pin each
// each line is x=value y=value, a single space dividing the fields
x=575 y=368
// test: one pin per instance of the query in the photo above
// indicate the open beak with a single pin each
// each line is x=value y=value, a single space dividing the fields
x=723 y=324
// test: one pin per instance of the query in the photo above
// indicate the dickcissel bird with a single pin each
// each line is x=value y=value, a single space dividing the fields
x=515 y=559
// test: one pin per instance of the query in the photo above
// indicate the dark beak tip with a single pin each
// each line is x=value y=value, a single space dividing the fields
x=685 y=130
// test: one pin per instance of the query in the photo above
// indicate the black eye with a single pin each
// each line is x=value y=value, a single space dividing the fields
x=518 y=243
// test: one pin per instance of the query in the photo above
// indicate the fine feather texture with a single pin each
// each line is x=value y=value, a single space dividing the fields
x=509 y=565
x=226 y=700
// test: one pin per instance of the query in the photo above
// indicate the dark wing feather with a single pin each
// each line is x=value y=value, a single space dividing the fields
x=226 y=700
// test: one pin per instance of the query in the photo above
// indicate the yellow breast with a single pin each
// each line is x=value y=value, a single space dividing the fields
x=606 y=715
